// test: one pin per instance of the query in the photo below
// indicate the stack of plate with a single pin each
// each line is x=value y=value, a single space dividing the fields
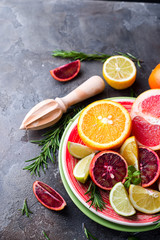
x=108 y=218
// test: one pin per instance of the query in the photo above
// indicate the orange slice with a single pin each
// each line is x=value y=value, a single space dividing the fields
x=104 y=124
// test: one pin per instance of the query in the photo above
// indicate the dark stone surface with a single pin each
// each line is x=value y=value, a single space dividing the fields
x=29 y=31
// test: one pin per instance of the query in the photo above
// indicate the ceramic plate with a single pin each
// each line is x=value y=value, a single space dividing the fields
x=68 y=162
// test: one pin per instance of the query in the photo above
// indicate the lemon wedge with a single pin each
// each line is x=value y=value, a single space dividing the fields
x=129 y=150
x=144 y=199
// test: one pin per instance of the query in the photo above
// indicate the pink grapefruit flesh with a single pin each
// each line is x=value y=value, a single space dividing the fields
x=145 y=114
x=66 y=72
x=48 y=197
x=107 y=168
x=149 y=166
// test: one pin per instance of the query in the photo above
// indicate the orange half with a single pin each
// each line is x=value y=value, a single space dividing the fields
x=104 y=124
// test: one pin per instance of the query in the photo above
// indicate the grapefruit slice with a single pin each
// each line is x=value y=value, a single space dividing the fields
x=48 y=197
x=149 y=165
x=145 y=114
x=66 y=72
x=107 y=168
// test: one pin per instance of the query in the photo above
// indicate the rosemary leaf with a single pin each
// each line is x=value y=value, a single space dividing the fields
x=88 y=234
x=46 y=235
x=90 y=57
x=95 y=197
x=25 y=209
x=133 y=238
x=157 y=224
x=50 y=143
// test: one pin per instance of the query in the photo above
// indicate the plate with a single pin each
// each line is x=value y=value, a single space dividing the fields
x=67 y=163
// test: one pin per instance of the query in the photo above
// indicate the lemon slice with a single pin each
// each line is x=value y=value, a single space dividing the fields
x=81 y=170
x=78 y=150
x=119 y=200
x=119 y=72
x=129 y=150
x=144 y=199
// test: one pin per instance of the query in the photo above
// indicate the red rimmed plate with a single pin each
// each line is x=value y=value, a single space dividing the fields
x=79 y=190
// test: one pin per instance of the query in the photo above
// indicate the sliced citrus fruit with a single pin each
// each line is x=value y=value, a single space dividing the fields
x=81 y=170
x=149 y=165
x=66 y=72
x=107 y=168
x=119 y=72
x=119 y=200
x=129 y=150
x=144 y=199
x=154 y=78
x=145 y=114
x=48 y=197
x=104 y=124
x=78 y=150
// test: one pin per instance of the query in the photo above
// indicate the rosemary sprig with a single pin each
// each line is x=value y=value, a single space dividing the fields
x=46 y=235
x=89 y=57
x=88 y=234
x=95 y=197
x=50 y=143
x=133 y=238
x=133 y=177
x=157 y=224
x=80 y=55
x=25 y=209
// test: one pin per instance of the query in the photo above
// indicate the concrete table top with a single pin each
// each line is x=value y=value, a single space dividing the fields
x=30 y=31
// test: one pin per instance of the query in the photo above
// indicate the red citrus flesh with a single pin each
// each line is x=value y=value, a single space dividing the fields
x=107 y=168
x=48 y=197
x=145 y=114
x=66 y=72
x=149 y=165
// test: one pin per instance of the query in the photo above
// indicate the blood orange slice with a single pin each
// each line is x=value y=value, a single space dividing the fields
x=145 y=114
x=48 y=197
x=66 y=72
x=149 y=165
x=107 y=168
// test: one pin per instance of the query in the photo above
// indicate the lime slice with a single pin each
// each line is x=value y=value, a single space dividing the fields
x=78 y=150
x=81 y=170
x=119 y=200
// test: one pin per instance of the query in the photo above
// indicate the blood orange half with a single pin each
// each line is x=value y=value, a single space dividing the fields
x=107 y=168
x=149 y=165
x=48 y=197
x=145 y=114
x=66 y=72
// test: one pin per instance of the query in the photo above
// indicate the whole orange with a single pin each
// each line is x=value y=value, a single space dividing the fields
x=154 y=78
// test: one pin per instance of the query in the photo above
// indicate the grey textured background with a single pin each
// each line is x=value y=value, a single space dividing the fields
x=29 y=31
